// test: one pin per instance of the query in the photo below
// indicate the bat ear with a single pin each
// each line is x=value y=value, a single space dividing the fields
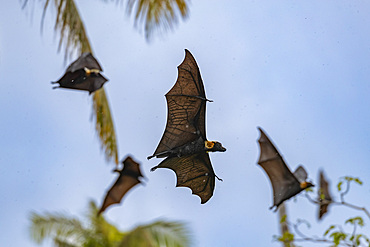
x=301 y=174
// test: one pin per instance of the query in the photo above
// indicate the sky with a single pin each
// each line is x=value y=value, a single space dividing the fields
x=298 y=69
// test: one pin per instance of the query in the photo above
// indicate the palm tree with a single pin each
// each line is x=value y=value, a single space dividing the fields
x=153 y=14
x=66 y=231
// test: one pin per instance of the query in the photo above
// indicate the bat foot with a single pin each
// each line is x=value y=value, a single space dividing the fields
x=153 y=168
x=219 y=179
x=276 y=208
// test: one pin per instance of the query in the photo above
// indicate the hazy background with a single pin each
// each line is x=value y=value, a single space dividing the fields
x=298 y=69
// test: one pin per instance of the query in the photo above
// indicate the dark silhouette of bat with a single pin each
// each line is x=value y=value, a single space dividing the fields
x=184 y=141
x=128 y=178
x=285 y=184
x=83 y=74
x=324 y=195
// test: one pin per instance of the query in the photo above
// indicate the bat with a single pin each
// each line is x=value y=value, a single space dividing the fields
x=285 y=184
x=324 y=195
x=184 y=141
x=128 y=178
x=82 y=74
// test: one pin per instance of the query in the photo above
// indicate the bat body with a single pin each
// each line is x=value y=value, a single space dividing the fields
x=184 y=141
x=128 y=178
x=285 y=184
x=83 y=74
x=324 y=196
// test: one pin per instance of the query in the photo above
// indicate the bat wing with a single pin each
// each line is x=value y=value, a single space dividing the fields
x=128 y=178
x=76 y=77
x=79 y=81
x=86 y=60
x=284 y=183
x=186 y=107
x=324 y=195
x=193 y=171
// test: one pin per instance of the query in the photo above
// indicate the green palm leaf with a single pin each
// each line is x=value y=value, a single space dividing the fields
x=66 y=231
x=157 y=234
x=104 y=125
x=160 y=15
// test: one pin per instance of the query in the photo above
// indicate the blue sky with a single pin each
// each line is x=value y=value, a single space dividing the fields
x=298 y=69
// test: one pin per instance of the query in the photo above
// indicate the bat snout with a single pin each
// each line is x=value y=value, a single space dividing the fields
x=218 y=147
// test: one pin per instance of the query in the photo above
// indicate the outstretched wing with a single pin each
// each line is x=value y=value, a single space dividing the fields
x=128 y=178
x=86 y=60
x=186 y=107
x=284 y=183
x=193 y=171
x=324 y=195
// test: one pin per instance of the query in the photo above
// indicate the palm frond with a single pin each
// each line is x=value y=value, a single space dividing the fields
x=64 y=230
x=100 y=226
x=157 y=234
x=104 y=125
x=160 y=15
x=62 y=243
x=70 y=27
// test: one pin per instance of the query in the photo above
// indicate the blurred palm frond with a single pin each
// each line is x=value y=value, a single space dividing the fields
x=160 y=15
x=104 y=125
x=67 y=231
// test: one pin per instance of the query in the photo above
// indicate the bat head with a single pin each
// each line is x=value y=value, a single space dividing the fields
x=305 y=185
x=91 y=71
x=213 y=146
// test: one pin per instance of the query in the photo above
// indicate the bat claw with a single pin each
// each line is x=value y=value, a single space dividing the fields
x=276 y=208
x=55 y=87
x=149 y=157
x=153 y=168
x=219 y=179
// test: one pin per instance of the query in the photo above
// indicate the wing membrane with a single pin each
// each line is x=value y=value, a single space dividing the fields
x=193 y=171
x=128 y=178
x=186 y=107
x=284 y=183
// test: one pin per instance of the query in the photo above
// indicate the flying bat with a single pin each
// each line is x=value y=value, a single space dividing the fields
x=128 y=178
x=83 y=74
x=285 y=184
x=184 y=141
x=324 y=195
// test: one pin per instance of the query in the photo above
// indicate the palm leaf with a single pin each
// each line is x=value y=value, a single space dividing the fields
x=109 y=234
x=73 y=36
x=160 y=233
x=104 y=125
x=160 y=15
x=70 y=27
x=64 y=230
